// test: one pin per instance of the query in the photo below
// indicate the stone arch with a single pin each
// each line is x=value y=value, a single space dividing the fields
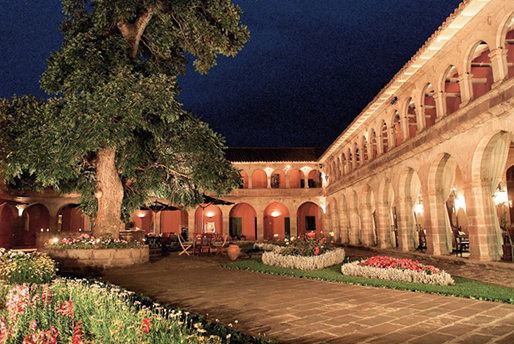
x=37 y=219
x=335 y=221
x=259 y=179
x=278 y=179
x=507 y=43
x=344 y=164
x=357 y=154
x=480 y=68
x=384 y=136
x=386 y=221
x=410 y=220
x=314 y=178
x=243 y=221
x=429 y=105
x=450 y=87
x=208 y=218
x=350 y=160
x=364 y=145
x=276 y=221
x=308 y=217
x=488 y=166
x=70 y=218
x=296 y=177
x=374 y=143
x=396 y=129
x=8 y=219
x=443 y=181
x=355 y=235
x=411 y=117
x=344 y=219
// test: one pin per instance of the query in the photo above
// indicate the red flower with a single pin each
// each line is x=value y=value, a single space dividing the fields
x=66 y=309
x=316 y=250
x=77 y=334
x=146 y=325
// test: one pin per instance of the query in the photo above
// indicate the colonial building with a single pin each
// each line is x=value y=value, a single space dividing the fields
x=429 y=159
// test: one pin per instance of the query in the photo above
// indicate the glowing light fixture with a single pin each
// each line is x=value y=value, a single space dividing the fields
x=460 y=202
x=275 y=213
x=21 y=208
x=419 y=209
x=501 y=196
x=210 y=214
x=275 y=235
x=55 y=240
x=141 y=214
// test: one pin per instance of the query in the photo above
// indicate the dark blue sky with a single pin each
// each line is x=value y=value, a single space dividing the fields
x=309 y=68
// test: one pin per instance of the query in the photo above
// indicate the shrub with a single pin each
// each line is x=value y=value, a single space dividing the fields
x=17 y=267
x=392 y=269
x=86 y=241
x=303 y=262
x=309 y=245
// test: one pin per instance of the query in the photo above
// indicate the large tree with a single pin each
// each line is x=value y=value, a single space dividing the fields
x=113 y=129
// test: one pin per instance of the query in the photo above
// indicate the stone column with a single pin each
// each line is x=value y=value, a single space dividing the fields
x=288 y=182
x=226 y=220
x=250 y=174
x=306 y=180
x=260 y=222
x=157 y=222
x=406 y=225
x=404 y=120
x=440 y=106
x=483 y=226
x=437 y=228
x=268 y=179
x=498 y=58
x=367 y=224
x=191 y=222
x=466 y=89
x=384 y=225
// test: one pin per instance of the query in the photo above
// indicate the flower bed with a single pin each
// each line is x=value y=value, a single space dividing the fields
x=86 y=241
x=76 y=311
x=20 y=267
x=407 y=270
x=303 y=262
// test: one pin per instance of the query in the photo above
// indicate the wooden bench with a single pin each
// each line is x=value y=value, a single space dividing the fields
x=461 y=241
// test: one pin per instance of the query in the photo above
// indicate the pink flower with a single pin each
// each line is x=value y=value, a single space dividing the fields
x=66 y=309
x=77 y=334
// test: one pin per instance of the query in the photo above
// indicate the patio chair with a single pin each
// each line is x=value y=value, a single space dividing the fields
x=204 y=246
x=220 y=245
x=461 y=241
x=185 y=247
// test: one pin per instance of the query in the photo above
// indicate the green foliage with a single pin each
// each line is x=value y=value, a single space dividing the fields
x=463 y=287
x=86 y=241
x=17 y=267
x=112 y=87
x=310 y=245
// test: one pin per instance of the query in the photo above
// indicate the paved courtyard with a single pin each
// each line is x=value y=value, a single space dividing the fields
x=292 y=310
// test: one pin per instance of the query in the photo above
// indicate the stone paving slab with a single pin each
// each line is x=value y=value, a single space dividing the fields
x=292 y=310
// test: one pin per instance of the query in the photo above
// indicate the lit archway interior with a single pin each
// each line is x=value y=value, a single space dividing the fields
x=211 y=221
x=172 y=221
x=70 y=219
x=276 y=221
x=278 y=179
x=308 y=217
x=314 y=178
x=143 y=220
x=243 y=220
x=259 y=180
x=36 y=219
x=295 y=179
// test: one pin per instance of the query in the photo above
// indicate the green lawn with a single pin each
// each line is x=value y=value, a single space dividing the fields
x=463 y=287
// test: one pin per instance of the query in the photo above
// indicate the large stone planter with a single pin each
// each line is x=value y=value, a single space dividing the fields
x=80 y=260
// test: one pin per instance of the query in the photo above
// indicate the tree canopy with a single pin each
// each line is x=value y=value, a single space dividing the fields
x=113 y=88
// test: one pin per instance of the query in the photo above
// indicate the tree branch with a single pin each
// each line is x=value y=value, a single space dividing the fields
x=132 y=32
x=157 y=165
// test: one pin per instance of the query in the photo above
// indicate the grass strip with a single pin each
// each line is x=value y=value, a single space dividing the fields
x=463 y=287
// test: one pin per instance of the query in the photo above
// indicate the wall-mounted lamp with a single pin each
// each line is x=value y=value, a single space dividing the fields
x=210 y=214
x=501 y=196
x=275 y=214
x=460 y=202
x=141 y=214
x=418 y=207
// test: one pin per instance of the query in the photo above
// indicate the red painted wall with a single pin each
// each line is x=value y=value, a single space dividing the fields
x=247 y=215
x=482 y=72
x=274 y=225
x=6 y=226
x=295 y=176
x=259 y=180
x=308 y=209
x=217 y=218
x=171 y=220
x=72 y=219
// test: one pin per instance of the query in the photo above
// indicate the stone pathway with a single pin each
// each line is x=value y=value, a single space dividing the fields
x=293 y=310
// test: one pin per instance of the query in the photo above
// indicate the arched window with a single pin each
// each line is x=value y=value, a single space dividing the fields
x=364 y=149
x=452 y=90
x=374 y=144
x=481 y=70
x=429 y=106
x=385 y=138
x=357 y=155
x=411 y=116
x=397 y=129
x=509 y=46
x=350 y=160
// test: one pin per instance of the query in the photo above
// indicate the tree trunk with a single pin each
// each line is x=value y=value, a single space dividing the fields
x=109 y=195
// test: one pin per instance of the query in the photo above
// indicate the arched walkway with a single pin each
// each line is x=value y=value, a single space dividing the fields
x=70 y=219
x=308 y=217
x=410 y=210
x=278 y=179
x=172 y=221
x=259 y=180
x=8 y=214
x=243 y=221
x=210 y=217
x=276 y=221
x=36 y=219
x=481 y=70
x=296 y=179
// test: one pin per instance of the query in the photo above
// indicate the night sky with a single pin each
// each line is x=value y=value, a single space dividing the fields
x=309 y=68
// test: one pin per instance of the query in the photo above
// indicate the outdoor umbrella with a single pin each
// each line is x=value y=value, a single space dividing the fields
x=207 y=201
x=156 y=207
